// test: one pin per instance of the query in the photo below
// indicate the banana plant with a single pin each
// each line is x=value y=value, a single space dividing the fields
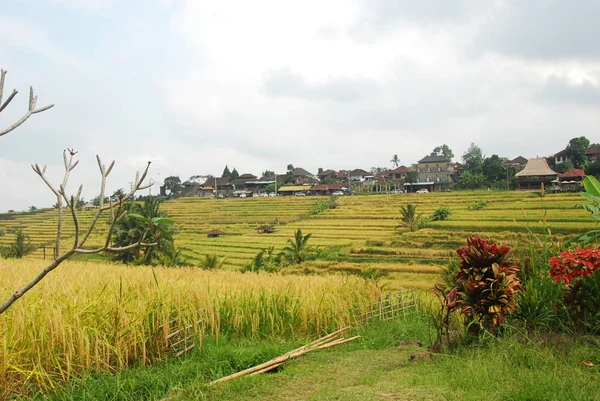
x=592 y=194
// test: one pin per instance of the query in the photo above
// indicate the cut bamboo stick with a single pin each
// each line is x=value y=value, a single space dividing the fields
x=327 y=341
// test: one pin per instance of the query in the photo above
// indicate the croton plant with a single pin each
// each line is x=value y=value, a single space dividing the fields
x=486 y=284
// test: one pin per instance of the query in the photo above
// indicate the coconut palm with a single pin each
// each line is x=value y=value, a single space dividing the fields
x=410 y=218
x=211 y=262
x=297 y=249
x=395 y=161
x=145 y=221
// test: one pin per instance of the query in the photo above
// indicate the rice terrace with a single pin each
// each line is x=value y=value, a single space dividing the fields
x=114 y=317
x=241 y=201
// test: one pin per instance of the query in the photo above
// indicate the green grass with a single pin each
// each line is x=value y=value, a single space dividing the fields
x=513 y=367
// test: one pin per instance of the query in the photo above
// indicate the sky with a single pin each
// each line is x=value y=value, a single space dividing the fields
x=195 y=85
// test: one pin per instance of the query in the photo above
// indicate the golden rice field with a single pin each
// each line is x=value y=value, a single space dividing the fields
x=103 y=317
x=362 y=228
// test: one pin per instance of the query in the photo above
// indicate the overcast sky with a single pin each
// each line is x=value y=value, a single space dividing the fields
x=195 y=85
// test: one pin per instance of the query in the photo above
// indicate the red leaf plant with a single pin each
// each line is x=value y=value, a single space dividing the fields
x=577 y=269
x=486 y=284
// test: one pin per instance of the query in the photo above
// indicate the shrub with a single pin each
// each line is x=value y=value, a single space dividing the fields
x=410 y=218
x=477 y=205
x=442 y=213
x=211 y=262
x=486 y=284
x=578 y=270
x=266 y=260
x=21 y=247
x=320 y=206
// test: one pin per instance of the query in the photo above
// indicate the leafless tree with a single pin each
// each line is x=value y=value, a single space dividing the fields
x=115 y=208
x=115 y=211
x=32 y=103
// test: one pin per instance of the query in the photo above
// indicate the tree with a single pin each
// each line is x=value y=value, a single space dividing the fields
x=297 y=249
x=443 y=150
x=30 y=111
x=471 y=180
x=320 y=170
x=473 y=159
x=172 y=184
x=81 y=234
x=21 y=247
x=95 y=201
x=148 y=222
x=563 y=167
x=289 y=175
x=410 y=218
x=411 y=178
x=395 y=161
x=492 y=169
x=32 y=208
x=576 y=151
x=226 y=172
x=234 y=174
x=268 y=173
x=593 y=169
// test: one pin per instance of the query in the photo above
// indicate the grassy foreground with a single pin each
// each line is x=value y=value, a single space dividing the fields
x=514 y=367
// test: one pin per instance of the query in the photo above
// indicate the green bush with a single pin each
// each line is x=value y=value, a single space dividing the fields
x=477 y=205
x=442 y=213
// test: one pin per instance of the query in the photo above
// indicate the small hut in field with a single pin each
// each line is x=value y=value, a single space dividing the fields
x=265 y=229
x=535 y=173
x=88 y=206
x=215 y=233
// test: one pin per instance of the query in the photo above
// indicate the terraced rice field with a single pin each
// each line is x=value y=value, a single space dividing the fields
x=360 y=234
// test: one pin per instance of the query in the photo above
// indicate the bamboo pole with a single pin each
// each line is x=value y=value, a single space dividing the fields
x=327 y=341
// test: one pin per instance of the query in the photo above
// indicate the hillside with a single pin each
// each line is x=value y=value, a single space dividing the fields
x=357 y=235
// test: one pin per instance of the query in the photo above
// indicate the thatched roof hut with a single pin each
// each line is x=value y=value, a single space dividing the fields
x=535 y=173
x=265 y=229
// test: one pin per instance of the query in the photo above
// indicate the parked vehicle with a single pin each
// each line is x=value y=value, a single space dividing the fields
x=337 y=193
x=397 y=191
x=423 y=191
x=299 y=194
x=272 y=194
x=242 y=195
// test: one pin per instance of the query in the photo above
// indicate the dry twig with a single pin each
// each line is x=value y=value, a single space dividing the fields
x=81 y=236
x=31 y=108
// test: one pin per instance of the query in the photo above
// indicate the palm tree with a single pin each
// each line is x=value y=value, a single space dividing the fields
x=297 y=248
x=395 y=161
x=410 y=217
x=145 y=221
x=211 y=262
x=21 y=247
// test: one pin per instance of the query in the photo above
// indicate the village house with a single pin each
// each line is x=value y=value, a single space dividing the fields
x=359 y=175
x=435 y=173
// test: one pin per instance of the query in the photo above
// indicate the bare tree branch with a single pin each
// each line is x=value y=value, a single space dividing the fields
x=30 y=111
x=71 y=202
